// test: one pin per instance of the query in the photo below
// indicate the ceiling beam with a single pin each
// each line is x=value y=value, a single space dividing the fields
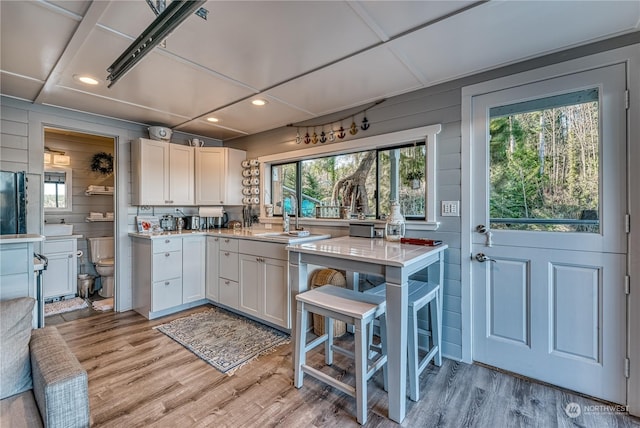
x=88 y=23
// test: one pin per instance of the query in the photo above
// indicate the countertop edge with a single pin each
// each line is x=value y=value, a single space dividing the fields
x=21 y=238
x=234 y=234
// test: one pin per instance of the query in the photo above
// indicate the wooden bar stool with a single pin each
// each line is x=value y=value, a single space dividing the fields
x=421 y=294
x=352 y=307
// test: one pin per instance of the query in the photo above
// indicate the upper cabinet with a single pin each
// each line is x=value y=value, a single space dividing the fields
x=162 y=173
x=219 y=176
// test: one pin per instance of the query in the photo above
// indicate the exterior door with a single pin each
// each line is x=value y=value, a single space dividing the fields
x=549 y=249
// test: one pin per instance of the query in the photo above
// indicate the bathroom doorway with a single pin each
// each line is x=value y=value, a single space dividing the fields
x=78 y=192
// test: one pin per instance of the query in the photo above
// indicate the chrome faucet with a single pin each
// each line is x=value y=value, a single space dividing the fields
x=295 y=207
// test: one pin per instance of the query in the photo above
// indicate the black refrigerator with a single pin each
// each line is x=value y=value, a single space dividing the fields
x=13 y=203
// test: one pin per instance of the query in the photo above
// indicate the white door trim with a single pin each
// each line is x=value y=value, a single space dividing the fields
x=630 y=55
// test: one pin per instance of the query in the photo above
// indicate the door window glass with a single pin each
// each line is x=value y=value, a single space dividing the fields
x=545 y=163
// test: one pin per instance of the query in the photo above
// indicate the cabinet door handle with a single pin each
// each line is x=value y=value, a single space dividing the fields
x=167 y=254
x=166 y=241
x=216 y=239
x=258 y=259
x=226 y=253
x=166 y=283
x=226 y=240
x=226 y=283
x=70 y=256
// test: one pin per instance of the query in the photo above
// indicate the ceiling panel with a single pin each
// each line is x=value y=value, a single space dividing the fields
x=73 y=99
x=264 y=43
x=395 y=17
x=32 y=49
x=157 y=82
x=358 y=80
x=73 y=6
x=498 y=33
x=19 y=87
x=199 y=127
x=246 y=117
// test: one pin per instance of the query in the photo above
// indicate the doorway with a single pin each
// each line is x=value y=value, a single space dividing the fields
x=549 y=245
x=79 y=192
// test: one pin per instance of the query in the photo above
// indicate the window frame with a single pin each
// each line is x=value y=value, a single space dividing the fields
x=428 y=134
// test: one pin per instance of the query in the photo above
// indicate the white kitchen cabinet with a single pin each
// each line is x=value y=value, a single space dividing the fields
x=218 y=176
x=60 y=278
x=193 y=274
x=213 y=268
x=157 y=275
x=263 y=283
x=162 y=173
x=229 y=272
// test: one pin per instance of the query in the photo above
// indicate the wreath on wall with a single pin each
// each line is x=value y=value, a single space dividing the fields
x=102 y=163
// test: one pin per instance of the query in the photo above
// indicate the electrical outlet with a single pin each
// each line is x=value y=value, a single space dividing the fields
x=450 y=209
x=379 y=233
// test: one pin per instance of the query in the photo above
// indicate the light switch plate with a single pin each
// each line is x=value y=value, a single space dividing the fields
x=450 y=209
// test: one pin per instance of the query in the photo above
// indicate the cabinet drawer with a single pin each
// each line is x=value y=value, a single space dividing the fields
x=263 y=249
x=61 y=246
x=229 y=265
x=229 y=293
x=162 y=245
x=229 y=244
x=166 y=294
x=167 y=265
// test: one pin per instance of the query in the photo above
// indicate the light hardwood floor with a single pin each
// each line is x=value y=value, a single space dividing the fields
x=138 y=377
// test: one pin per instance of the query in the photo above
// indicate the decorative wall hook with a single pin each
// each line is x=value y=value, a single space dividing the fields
x=298 y=137
x=314 y=138
x=365 y=122
x=341 y=133
x=307 y=139
x=323 y=137
x=332 y=136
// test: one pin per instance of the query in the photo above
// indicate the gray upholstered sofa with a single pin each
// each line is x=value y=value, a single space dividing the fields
x=41 y=381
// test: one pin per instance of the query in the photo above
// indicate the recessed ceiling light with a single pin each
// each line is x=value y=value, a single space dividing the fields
x=258 y=102
x=86 y=79
x=213 y=119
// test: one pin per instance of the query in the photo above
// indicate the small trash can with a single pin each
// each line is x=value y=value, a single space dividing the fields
x=85 y=285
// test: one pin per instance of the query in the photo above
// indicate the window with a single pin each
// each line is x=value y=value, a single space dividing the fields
x=359 y=176
x=365 y=182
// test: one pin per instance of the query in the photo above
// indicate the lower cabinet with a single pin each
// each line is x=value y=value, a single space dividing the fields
x=193 y=274
x=229 y=293
x=264 y=287
x=212 y=276
x=168 y=274
x=60 y=278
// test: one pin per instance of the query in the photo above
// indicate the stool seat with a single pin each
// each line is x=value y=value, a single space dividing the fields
x=352 y=307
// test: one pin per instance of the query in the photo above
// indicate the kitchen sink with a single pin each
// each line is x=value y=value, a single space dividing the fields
x=58 y=229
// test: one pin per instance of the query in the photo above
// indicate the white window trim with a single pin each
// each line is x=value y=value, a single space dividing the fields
x=428 y=133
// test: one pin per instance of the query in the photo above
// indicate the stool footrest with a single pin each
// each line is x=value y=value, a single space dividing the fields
x=347 y=389
x=427 y=359
x=315 y=342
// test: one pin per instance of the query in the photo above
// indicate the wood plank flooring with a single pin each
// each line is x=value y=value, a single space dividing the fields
x=138 y=377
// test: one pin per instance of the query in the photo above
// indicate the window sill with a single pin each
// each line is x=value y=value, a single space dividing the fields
x=315 y=222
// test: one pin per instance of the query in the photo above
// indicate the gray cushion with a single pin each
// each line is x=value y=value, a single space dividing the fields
x=15 y=332
x=20 y=411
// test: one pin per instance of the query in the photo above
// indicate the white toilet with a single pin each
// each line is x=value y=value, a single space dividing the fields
x=102 y=254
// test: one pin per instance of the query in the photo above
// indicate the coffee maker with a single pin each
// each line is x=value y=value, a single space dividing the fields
x=219 y=222
x=192 y=222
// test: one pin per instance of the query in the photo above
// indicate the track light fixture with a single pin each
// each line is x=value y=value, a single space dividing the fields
x=167 y=21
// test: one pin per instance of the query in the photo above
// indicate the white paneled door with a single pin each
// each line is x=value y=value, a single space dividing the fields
x=550 y=240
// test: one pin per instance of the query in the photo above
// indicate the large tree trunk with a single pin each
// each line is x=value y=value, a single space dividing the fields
x=351 y=191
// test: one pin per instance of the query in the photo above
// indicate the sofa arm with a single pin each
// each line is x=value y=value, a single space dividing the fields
x=60 y=384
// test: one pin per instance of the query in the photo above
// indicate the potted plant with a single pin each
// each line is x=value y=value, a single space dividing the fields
x=414 y=178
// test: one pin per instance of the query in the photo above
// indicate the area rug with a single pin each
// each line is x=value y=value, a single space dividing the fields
x=63 y=306
x=223 y=339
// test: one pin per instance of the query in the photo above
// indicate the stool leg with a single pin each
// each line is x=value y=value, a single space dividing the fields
x=361 y=371
x=301 y=341
x=412 y=346
x=436 y=328
x=328 y=345
x=383 y=338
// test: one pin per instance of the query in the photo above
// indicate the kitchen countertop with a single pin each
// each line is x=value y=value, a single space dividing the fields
x=256 y=235
x=17 y=239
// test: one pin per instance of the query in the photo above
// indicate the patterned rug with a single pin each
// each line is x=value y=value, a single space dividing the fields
x=223 y=339
x=62 y=306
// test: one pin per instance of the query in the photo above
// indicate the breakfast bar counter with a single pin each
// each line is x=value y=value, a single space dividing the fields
x=392 y=260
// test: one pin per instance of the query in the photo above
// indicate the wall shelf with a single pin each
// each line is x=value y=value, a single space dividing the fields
x=91 y=220
x=98 y=192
